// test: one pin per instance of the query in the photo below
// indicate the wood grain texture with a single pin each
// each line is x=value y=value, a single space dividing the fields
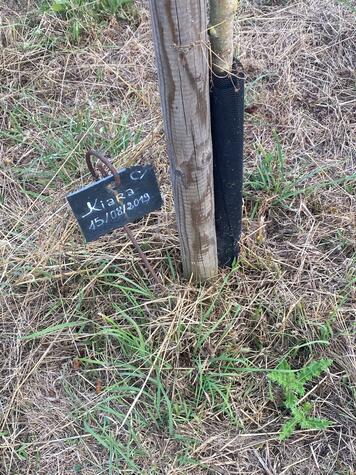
x=180 y=39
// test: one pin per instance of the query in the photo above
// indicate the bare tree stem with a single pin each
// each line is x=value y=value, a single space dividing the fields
x=222 y=14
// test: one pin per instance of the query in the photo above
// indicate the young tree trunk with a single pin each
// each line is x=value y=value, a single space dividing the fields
x=221 y=34
x=179 y=35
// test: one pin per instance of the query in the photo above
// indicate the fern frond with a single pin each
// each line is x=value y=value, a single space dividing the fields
x=290 y=401
x=312 y=370
x=292 y=383
x=285 y=377
x=315 y=423
x=287 y=429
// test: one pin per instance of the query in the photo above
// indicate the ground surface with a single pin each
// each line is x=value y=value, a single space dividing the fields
x=102 y=373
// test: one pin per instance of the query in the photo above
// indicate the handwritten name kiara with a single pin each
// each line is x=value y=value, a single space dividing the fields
x=102 y=206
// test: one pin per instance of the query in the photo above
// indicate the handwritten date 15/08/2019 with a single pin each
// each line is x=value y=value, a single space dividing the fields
x=117 y=212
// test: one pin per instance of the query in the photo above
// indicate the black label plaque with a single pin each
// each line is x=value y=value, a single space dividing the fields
x=102 y=206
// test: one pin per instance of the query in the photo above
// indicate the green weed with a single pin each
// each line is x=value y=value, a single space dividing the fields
x=293 y=385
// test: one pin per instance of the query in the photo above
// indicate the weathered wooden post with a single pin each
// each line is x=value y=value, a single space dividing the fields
x=180 y=39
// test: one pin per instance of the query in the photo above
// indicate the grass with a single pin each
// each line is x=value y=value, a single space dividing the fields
x=84 y=16
x=59 y=153
x=103 y=373
x=271 y=179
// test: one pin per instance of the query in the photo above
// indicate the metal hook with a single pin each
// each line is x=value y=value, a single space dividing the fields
x=105 y=160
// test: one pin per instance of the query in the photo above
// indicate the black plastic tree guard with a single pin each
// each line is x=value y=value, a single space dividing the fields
x=227 y=118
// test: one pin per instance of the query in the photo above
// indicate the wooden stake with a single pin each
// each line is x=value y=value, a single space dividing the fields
x=180 y=39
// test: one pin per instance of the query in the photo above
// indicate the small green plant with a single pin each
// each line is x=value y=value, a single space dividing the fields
x=293 y=384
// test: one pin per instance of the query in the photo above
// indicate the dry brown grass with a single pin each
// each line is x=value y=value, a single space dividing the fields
x=292 y=287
